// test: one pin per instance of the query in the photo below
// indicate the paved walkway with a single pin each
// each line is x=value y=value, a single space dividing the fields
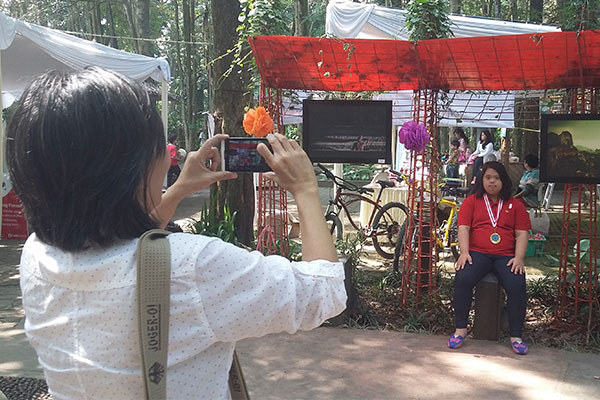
x=336 y=363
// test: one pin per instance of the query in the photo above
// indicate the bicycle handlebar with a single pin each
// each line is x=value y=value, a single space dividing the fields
x=341 y=182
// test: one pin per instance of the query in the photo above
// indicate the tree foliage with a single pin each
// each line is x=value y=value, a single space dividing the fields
x=428 y=19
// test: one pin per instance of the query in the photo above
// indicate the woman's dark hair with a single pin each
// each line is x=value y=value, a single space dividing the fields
x=532 y=160
x=172 y=137
x=506 y=182
x=461 y=134
x=80 y=149
x=488 y=137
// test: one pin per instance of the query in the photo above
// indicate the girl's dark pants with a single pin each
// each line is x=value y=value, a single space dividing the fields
x=477 y=166
x=513 y=284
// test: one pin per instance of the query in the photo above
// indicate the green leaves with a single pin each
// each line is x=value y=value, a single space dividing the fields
x=209 y=225
x=428 y=19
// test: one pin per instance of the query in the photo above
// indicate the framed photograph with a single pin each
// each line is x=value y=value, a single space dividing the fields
x=570 y=148
x=347 y=131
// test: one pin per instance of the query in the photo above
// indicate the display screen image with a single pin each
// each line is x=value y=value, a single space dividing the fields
x=240 y=155
x=570 y=148
x=347 y=131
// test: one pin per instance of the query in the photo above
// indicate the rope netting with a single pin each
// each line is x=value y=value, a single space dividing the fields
x=271 y=211
x=420 y=256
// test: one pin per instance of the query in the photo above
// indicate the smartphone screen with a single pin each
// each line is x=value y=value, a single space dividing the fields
x=240 y=155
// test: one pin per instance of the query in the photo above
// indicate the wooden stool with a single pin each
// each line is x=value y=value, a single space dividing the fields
x=488 y=308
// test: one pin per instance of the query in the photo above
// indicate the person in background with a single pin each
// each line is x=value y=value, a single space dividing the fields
x=174 y=156
x=492 y=235
x=452 y=161
x=530 y=182
x=485 y=146
x=86 y=213
x=463 y=145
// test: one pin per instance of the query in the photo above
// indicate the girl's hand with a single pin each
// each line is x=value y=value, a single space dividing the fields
x=292 y=169
x=200 y=168
x=462 y=261
x=517 y=265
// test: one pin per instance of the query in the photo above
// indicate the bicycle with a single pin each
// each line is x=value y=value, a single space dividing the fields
x=383 y=225
x=446 y=231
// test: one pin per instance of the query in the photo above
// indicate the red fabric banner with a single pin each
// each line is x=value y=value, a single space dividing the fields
x=509 y=62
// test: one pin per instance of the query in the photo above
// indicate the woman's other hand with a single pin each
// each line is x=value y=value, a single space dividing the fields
x=293 y=171
x=201 y=167
x=517 y=265
x=291 y=167
x=463 y=259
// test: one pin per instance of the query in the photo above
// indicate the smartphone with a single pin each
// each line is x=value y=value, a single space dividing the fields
x=239 y=154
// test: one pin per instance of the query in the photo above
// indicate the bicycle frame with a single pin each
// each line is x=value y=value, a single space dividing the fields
x=340 y=203
x=444 y=241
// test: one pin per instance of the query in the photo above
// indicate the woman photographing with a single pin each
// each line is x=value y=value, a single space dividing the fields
x=492 y=235
x=87 y=156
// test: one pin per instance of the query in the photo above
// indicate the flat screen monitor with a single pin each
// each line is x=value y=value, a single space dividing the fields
x=347 y=131
x=570 y=148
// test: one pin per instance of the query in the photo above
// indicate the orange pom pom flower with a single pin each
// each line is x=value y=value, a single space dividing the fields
x=257 y=122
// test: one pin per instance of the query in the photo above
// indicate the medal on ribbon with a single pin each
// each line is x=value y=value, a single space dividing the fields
x=494 y=237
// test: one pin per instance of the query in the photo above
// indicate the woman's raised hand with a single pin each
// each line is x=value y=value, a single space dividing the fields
x=291 y=167
x=201 y=167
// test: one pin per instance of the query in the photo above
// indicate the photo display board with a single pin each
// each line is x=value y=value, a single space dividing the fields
x=347 y=131
x=570 y=148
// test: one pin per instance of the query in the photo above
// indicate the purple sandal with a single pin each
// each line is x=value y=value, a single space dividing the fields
x=455 y=341
x=520 y=348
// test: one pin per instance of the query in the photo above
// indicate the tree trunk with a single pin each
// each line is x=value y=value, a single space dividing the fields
x=132 y=23
x=536 y=10
x=142 y=16
x=189 y=75
x=525 y=109
x=229 y=100
x=113 y=42
x=300 y=16
x=455 y=6
x=514 y=10
x=497 y=9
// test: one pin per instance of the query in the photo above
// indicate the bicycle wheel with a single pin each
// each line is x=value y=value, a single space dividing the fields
x=386 y=228
x=399 y=250
x=334 y=224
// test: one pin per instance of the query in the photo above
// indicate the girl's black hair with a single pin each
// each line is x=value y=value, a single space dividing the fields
x=488 y=137
x=80 y=149
x=461 y=133
x=532 y=160
x=506 y=182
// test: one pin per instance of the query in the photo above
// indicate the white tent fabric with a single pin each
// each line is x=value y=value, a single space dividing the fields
x=346 y=19
x=474 y=109
x=29 y=49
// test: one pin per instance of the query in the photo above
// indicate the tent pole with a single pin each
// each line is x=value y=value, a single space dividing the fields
x=1 y=143
x=164 y=97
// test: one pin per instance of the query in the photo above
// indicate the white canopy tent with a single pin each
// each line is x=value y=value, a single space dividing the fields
x=346 y=19
x=27 y=50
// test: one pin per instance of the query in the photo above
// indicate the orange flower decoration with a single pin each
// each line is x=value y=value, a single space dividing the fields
x=257 y=122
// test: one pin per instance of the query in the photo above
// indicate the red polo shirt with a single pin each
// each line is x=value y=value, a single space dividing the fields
x=172 y=153
x=513 y=216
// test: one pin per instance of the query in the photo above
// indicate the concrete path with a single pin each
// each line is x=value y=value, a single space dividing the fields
x=336 y=363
